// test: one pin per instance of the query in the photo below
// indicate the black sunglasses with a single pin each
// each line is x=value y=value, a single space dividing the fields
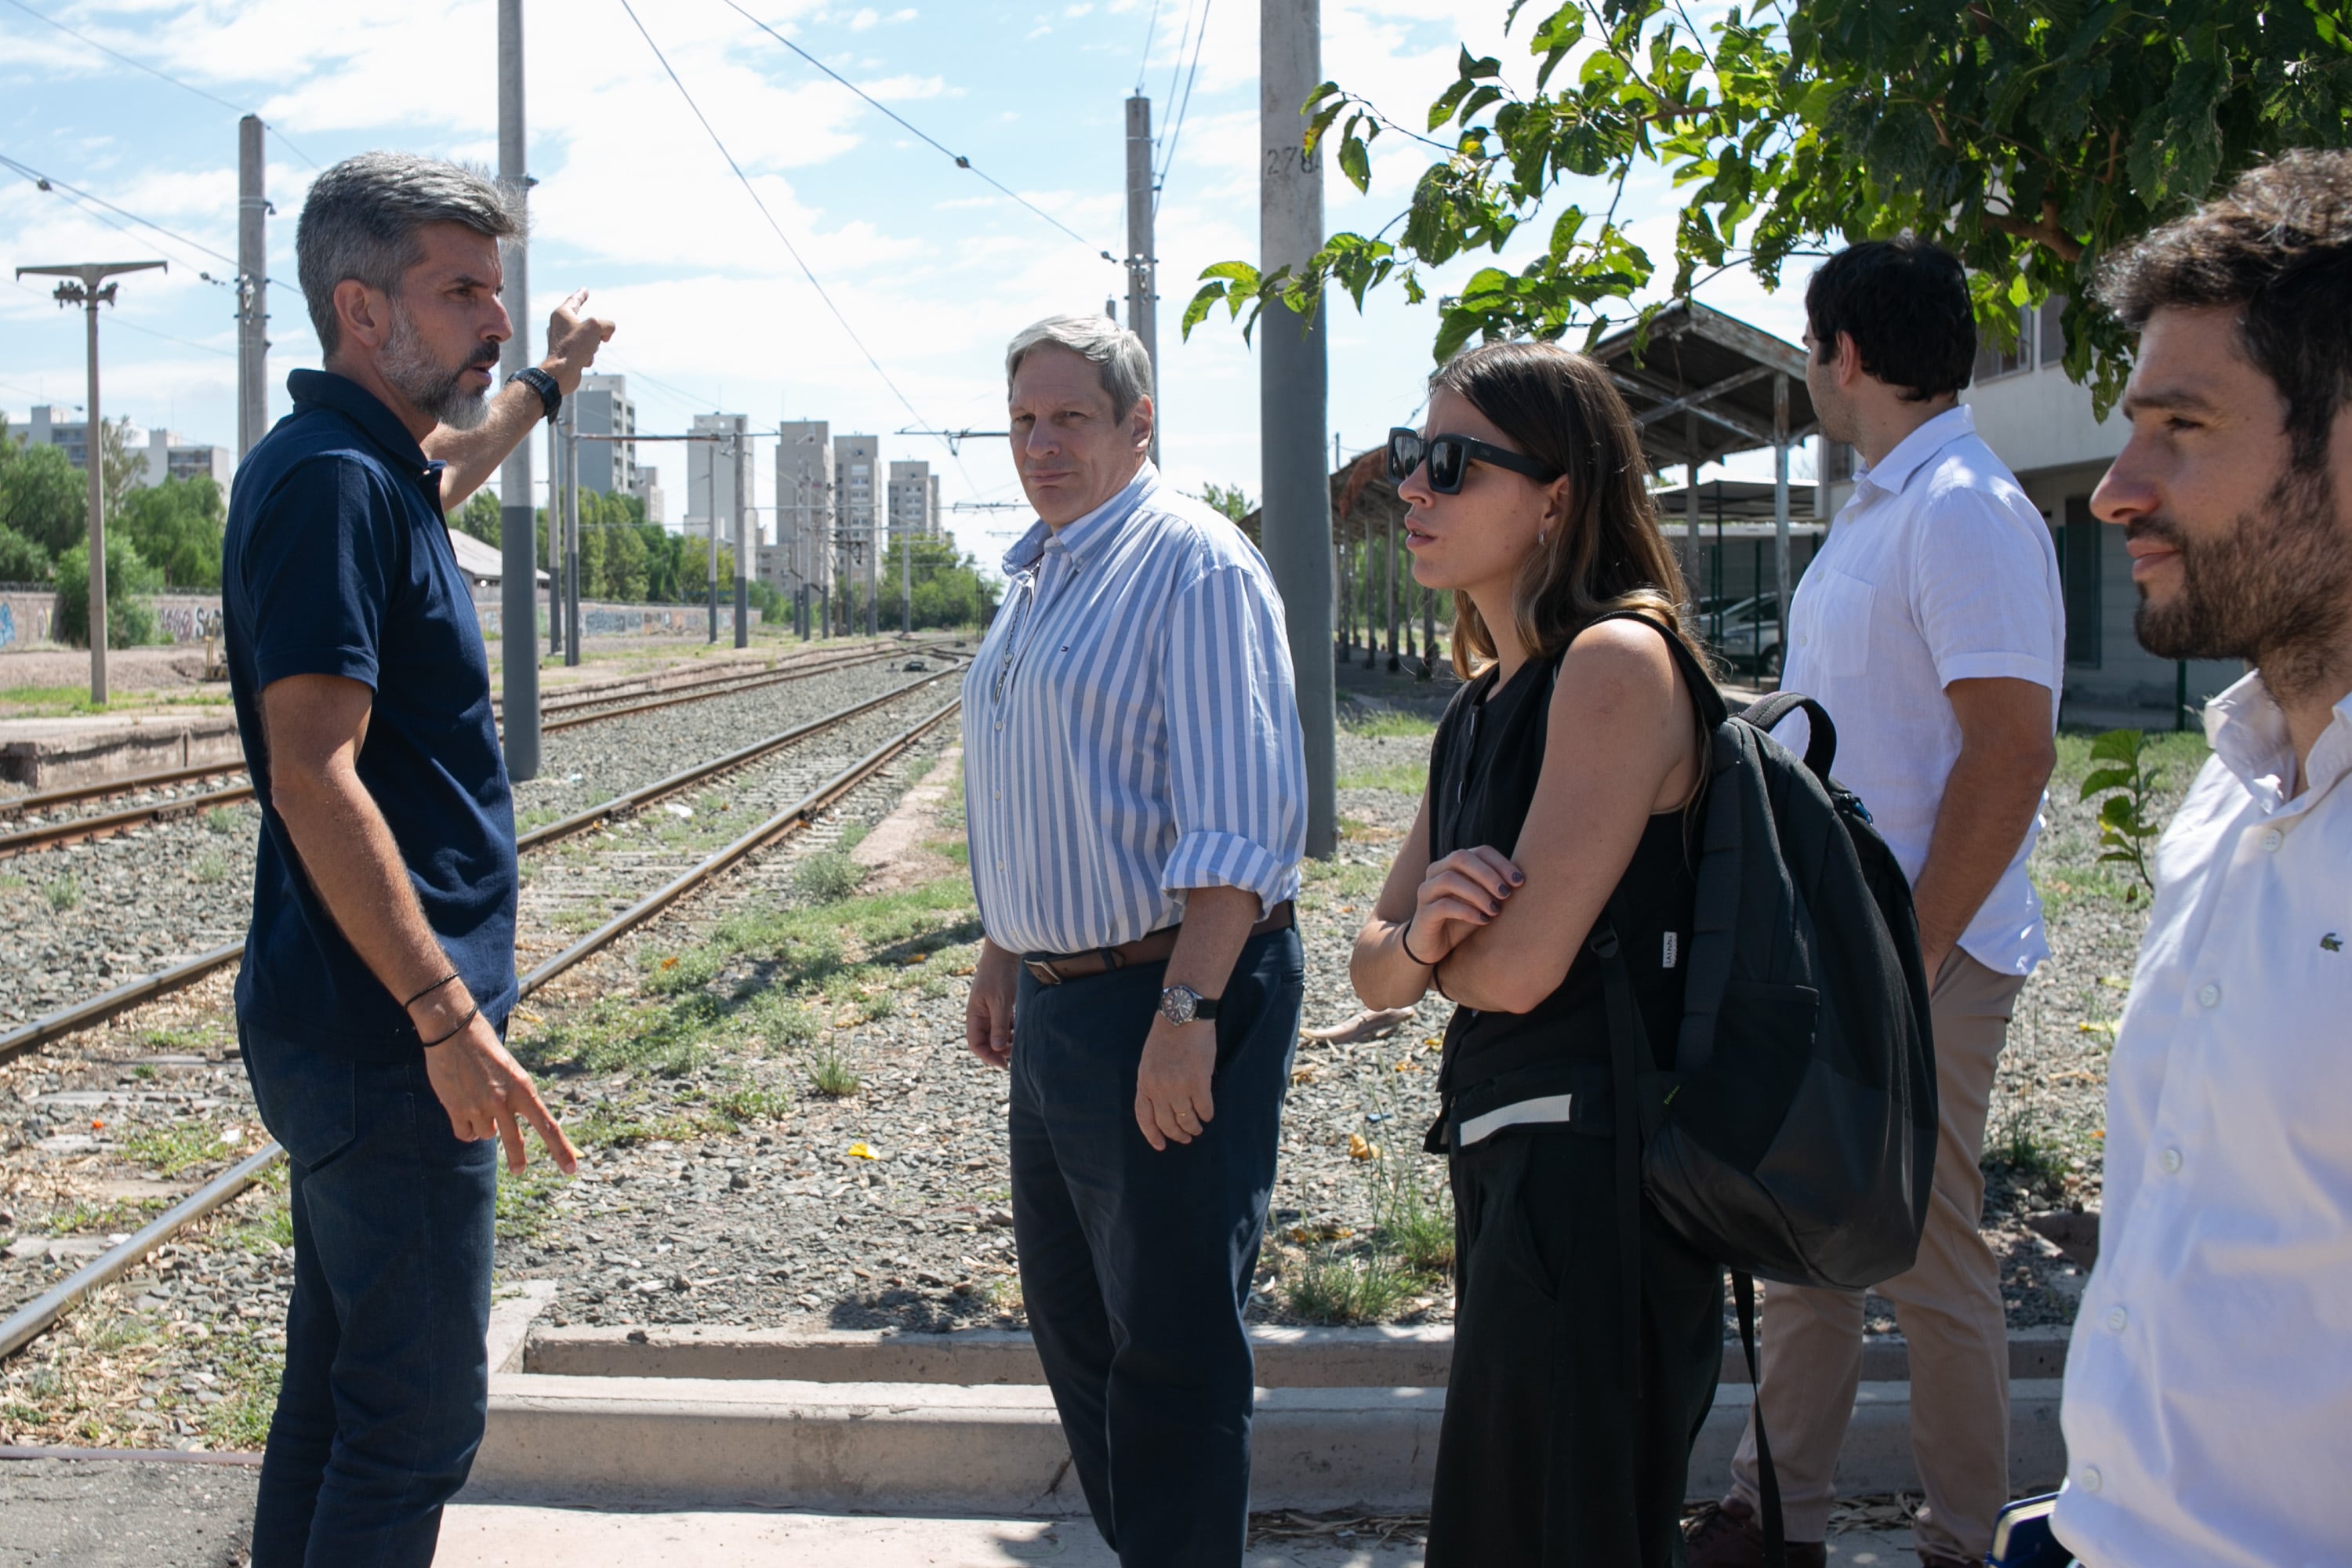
x=1450 y=456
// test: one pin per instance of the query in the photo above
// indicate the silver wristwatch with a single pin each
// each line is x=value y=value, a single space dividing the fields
x=1183 y=1005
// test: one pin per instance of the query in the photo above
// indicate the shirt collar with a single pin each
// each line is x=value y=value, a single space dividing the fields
x=1894 y=472
x=1075 y=540
x=2247 y=730
x=363 y=409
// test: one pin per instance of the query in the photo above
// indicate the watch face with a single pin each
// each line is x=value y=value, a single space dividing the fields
x=1177 y=1002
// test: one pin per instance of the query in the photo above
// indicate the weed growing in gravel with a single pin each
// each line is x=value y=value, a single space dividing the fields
x=1412 y=1223
x=11 y=883
x=831 y=1075
x=2029 y=1159
x=100 y=1218
x=172 y=1150
x=1331 y=1288
x=191 y=1040
x=829 y=875
x=618 y=1126
x=209 y=866
x=1387 y=724
x=63 y=893
x=220 y=819
x=259 y=1237
x=1343 y=881
x=526 y=1198
x=579 y=921
x=610 y=1035
x=754 y=1104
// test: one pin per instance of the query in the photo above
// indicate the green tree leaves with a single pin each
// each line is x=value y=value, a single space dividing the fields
x=2029 y=136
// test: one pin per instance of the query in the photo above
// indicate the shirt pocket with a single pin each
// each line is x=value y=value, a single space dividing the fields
x=1836 y=634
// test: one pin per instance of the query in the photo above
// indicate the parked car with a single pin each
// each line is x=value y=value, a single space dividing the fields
x=1745 y=634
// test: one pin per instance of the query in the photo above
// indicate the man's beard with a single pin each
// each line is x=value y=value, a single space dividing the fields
x=2274 y=590
x=409 y=368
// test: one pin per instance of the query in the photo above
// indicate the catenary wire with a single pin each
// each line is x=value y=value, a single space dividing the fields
x=1176 y=133
x=133 y=326
x=38 y=178
x=1151 y=31
x=163 y=75
x=960 y=161
x=753 y=191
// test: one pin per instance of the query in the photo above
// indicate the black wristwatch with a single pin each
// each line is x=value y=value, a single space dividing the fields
x=1183 y=1005
x=551 y=397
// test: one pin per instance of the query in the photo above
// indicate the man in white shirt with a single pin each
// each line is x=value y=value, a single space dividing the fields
x=1931 y=626
x=2209 y=1388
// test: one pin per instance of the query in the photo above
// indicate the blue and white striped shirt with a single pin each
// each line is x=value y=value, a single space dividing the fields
x=1131 y=728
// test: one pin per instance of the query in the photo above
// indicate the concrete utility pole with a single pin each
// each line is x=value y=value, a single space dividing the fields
x=906 y=585
x=518 y=532
x=1780 y=507
x=710 y=526
x=1293 y=383
x=86 y=286
x=252 y=289
x=1142 y=259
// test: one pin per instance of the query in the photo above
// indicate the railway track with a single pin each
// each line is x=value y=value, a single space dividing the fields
x=598 y=708
x=797 y=794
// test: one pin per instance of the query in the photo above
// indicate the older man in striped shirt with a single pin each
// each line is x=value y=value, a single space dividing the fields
x=1135 y=787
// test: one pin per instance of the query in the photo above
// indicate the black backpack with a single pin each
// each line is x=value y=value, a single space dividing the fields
x=1795 y=1139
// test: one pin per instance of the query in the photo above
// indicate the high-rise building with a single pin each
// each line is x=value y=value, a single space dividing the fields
x=608 y=460
x=914 y=499
x=857 y=503
x=802 y=555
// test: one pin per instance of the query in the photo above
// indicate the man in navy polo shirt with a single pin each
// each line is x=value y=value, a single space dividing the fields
x=380 y=967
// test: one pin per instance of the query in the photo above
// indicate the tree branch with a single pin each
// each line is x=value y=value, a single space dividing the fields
x=2046 y=233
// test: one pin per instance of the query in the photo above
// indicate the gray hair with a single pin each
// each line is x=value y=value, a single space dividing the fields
x=362 y=218
x=1116 y=353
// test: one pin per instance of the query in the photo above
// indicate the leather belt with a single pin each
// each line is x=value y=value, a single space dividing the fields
x=1053 y=968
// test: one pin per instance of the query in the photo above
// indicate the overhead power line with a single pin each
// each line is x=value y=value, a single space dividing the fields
x=1151 y=31
x=960 y=161
x=150 y=332
x=1176 y=133
x=51 y=183
x=161 y=75
x=753 y=191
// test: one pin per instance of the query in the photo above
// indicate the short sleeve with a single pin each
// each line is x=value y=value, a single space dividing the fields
x=320 y=566
x=1983 y=592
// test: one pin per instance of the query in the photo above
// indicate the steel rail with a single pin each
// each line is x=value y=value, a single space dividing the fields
x=33 y=1034
x=34 y=1318
x=129 y=784
x=98 y=824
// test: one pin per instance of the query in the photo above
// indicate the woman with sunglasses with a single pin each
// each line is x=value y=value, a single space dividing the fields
x=1558 y=787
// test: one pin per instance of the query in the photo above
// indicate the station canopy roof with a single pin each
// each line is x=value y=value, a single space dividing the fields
x=1738 y=502
x=1700 y=383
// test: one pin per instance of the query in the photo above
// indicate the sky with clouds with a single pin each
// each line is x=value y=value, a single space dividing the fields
x=932 y=267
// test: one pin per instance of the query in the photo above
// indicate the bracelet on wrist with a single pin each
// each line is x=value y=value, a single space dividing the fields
x=472 y=1013
x=429 y=990
x=1404 y=941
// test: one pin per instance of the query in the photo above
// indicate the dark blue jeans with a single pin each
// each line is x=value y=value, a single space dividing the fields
x=1135 y=1265
x=387 y=1380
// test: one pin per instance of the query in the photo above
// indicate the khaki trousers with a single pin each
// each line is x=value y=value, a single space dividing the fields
x=1949 y=1307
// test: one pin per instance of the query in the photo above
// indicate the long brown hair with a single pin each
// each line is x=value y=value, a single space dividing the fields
x=1561 y=408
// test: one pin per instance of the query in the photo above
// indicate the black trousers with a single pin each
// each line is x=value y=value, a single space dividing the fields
x=1135 y=1265
x=1547 y=1456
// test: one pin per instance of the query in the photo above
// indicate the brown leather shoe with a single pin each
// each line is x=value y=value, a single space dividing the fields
x=1728 y=1534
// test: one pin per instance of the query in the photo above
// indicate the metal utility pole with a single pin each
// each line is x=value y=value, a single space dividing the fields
x=1293 y=384
x=710 y=526
x=1142 y=260
x=571 y=532
x=86 y=286
x=1395 y=663
x=907 y=584
x=739 y=472
x=518 y=534
x=252 y=289
x=555 y=617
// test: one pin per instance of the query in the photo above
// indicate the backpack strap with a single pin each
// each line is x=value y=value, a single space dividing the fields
x=1821 y=734
x=1629 y=1054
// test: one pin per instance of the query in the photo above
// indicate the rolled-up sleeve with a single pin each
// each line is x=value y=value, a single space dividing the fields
x=1237 y=758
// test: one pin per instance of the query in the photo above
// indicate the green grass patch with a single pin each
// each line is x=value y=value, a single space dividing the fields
x=581 y=920
x=63 y=893
x=212 y=866
x=1403 y=778
x=101 y=1219
x=2029 y=1158
x=829 y=875
x=612 y=1034
x=526 y=1197
x=1342 y=881
x=754 y=1104
x=168 y=1151
x=220 y=819
x=830 y=1074
x=185 y=1040
x=608 y=1125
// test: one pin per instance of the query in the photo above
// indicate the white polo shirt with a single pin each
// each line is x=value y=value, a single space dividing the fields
x=2207 y=1404
x=1938 y=569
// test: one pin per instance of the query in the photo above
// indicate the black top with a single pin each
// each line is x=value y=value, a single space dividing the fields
x=337 y=562
x=1483 y=769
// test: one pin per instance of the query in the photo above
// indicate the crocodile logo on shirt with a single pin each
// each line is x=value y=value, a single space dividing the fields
x=2331 y=942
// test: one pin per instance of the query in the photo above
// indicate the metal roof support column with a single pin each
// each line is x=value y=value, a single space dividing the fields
x=1690 y=516
x=1780 y=501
